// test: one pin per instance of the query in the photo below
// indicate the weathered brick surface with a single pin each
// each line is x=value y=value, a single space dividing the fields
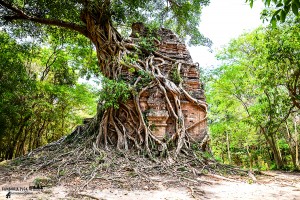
x=153 y=102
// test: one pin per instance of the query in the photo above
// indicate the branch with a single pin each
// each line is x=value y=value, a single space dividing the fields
x=20 y=15
x=239 y=97
x=12 y=8
x=285 y=117
x=173 y=3
x=48 y=64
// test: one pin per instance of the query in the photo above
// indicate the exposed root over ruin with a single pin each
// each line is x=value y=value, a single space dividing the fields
x=119 y=140
x=82 y=165
x=156 y=75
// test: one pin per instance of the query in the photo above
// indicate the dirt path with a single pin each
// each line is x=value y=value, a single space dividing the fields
x=279 y=185
x=274 y=185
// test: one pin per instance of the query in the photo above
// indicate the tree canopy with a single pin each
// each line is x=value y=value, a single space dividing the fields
x=254 y=99
x=278 y=10
x=180 y=16
x=40 y=97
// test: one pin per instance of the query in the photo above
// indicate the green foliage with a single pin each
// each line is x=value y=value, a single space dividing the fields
x=251 y=100
x=279 y=9
x=199 y=153
x=175 y=76
x=152 y=127
x=40 y=99
x=75 y=49
x=146 y=78
x=147 y=44
x=180 y=16
x=113 y=93
x=131 y=58
x=145 y=116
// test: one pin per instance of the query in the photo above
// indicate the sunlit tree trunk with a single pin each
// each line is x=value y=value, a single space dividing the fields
x=250 y=156
x=228 y=147
x=271 y=141
x=292 y=146
x=296 y=138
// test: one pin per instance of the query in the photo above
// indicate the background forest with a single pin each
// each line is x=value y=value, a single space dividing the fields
x=254 y=99
x=41 y=99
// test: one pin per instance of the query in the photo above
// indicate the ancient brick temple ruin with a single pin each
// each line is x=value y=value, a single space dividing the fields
x=153 y=102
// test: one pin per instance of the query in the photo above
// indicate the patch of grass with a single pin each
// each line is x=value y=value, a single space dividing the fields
x=182 y=169
x=61 y=172
x=42 y=181
x=3 y=163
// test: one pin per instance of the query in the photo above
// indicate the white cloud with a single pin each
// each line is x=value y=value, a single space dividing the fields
x=222 y=21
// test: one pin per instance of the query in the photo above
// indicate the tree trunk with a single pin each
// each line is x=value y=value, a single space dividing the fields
x=228 y=147
x=296 y=139
x=11 y=150
x=169 y=108
x=270 y=140
x=250 y=157
x=292 y=146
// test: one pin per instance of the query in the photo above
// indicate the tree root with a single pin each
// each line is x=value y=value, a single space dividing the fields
x=82 y=165
x=114 y=130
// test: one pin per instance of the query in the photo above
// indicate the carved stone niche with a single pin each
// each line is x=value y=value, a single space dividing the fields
x=158 y=115
x=193 y=119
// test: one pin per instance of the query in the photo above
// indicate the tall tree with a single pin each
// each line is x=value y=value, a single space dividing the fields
x=258 y=89
x=100 y=21
x=39 y=96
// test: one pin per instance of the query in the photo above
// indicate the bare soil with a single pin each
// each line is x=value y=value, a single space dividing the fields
x=271 y=185
x=77 y=172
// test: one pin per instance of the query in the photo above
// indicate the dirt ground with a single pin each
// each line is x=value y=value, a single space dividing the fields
x=272 y=185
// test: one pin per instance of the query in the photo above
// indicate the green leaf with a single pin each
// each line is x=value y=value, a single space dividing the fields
x=287 y=8
x=286 y=2
x=273 y=22
x=279 y=5
x=251 y=3
x=275 y=18
x=278 y=17
x=282 y=15
x=275 y=14
x=295 y=9
x=297 y=3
